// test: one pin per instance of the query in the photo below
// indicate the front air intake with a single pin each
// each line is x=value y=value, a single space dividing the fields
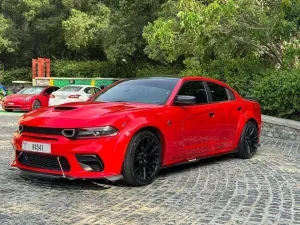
x=91 y=163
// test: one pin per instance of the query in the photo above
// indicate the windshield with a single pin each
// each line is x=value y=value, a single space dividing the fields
x=150 y=91
x=70 y=89
x=31 y=90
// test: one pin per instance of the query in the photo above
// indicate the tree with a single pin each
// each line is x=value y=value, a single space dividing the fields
x=7 y=31
x=123 y=37
x=222 y=30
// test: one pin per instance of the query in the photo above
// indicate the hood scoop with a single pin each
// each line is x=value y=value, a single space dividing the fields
x=64 y=108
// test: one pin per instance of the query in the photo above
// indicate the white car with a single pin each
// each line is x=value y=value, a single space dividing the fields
x=72 y=93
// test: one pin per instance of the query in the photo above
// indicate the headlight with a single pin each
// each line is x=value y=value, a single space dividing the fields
x=93 y=132
x=26 y=99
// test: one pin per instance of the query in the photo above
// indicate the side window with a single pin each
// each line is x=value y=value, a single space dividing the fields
x=88 y=90
x=230 y=94
x=196 y=89
x=49 y=90
x=218 y=93
x=96 y=90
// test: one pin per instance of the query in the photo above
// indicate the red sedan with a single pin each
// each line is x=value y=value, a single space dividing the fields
x=28 y=99
x=136 y=127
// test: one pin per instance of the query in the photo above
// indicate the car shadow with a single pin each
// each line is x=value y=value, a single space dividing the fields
x=194 y=165
x=89 y=184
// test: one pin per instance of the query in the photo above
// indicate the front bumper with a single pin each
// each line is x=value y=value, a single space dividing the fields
x=26 y=106
x=105 y=148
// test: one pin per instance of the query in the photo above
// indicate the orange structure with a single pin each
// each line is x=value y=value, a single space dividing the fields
x=41 y=67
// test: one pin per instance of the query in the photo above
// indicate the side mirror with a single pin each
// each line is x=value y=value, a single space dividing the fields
x=185 y=100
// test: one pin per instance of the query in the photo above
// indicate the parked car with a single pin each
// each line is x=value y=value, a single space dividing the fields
x=28 y=99
x=136 y=127
x=72 y=93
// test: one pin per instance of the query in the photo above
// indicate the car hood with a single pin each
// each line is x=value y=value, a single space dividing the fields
x=17 y=97
x=81 y=114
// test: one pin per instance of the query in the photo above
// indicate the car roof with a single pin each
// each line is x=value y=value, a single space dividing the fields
x=183 y=78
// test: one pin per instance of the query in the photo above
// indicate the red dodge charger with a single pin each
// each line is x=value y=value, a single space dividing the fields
x=136 y=127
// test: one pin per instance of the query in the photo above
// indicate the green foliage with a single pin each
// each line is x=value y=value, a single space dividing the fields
x=123 y=37
x=23 y=74
x=148 y=70
x=222 y=30
x=239 y=73
x=91 y=69
x=7 y=41
x=83 y=30
x=279 y=93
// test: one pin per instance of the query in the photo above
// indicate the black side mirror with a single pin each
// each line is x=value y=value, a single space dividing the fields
x=185 y=100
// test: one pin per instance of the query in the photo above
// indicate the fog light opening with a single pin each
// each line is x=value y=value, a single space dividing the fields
x=90 y=163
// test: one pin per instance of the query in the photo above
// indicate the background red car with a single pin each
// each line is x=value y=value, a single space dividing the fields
x=136 y=127
x=28 y=99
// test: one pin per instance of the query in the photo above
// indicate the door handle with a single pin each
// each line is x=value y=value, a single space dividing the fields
x=211 y=114
x=239 y=108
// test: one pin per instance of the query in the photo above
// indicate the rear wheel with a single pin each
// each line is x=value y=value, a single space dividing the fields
x=36 y=104
x=143 y=159
x=248 y=144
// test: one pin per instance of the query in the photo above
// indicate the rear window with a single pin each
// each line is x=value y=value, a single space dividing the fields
x=70 y=89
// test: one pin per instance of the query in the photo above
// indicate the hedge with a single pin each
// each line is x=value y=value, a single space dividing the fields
x=23 y=74
x=65 y=68
x=279 y=93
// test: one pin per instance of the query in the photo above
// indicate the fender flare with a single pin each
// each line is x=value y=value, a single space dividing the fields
x=247 y=116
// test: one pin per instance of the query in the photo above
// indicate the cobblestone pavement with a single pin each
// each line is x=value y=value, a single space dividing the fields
x=226 y=190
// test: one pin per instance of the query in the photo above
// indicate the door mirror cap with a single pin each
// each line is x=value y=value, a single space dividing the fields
x=185 y=100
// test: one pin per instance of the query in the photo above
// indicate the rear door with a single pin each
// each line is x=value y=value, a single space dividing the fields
x=227 y=114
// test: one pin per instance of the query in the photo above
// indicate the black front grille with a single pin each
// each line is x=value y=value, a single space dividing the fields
x=49 y=162
x=42 y=130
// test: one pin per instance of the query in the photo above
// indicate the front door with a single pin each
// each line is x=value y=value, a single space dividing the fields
x=197 y=121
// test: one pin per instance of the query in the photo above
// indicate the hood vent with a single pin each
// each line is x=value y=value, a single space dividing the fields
x=64 y=108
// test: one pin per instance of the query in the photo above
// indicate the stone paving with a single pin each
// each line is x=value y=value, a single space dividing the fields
x=226 y=190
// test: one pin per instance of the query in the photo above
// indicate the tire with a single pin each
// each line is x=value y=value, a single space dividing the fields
x=143 y=159
x=36 y=105
x=248 y=143
x=8 y=110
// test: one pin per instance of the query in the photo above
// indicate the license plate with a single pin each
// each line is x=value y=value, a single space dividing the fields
x=36 y=147
x=11 y=103
x=62 y=97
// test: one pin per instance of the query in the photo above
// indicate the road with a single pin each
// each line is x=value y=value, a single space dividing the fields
x=226 y=190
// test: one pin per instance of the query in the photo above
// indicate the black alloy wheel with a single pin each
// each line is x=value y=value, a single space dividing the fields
x=143 y=159
x=248 y=144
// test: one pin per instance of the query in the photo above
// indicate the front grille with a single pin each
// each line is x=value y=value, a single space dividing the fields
x=42 y=130
x=49 y=162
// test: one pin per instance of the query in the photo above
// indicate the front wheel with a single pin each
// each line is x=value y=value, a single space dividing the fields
x=36 y=105
x=143 y=159
x=248 y=144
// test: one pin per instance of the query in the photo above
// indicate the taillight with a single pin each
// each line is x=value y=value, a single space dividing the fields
x=52 y=96
x=74 y=96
